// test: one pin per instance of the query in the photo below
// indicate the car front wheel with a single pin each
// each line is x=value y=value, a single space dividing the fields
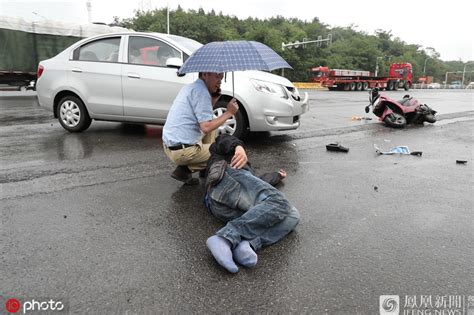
x=236 y=125
x=72 y=114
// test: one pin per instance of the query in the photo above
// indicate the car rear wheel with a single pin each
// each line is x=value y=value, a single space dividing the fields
x=72 y=114
x=236 y=125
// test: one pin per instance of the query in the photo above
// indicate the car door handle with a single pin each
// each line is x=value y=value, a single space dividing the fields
x=77 y=70
x=133 y=76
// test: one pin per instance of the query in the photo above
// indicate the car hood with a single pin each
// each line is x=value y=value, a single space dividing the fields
x=264 y=76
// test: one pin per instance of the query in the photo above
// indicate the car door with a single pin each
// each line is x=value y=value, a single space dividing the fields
x=96 y=75
x=149 y=87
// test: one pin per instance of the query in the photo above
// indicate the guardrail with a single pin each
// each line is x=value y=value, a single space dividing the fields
x=317 y=86
x=309 y=85
x=442 y=86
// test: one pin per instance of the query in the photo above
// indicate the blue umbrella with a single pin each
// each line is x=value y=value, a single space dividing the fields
x=233 y=56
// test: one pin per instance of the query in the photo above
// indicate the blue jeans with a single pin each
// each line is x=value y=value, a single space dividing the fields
x=253 y=209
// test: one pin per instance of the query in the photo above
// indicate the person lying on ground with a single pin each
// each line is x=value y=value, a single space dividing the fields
x=256 y=213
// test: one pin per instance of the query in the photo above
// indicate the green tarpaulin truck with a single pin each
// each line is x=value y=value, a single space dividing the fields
x=23 y=44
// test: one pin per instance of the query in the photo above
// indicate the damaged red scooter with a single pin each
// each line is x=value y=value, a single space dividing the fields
x=397 y=114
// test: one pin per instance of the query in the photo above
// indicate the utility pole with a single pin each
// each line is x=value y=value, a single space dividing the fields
x=464 y=72
x=168 y=17
x=377 y=63
x=89 y=11
x=424 y=67
x=377 y=66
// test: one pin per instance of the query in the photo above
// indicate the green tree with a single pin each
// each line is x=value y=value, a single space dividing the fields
x=349 y=49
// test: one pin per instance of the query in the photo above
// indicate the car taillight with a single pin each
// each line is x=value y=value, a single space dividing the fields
x=40 y=71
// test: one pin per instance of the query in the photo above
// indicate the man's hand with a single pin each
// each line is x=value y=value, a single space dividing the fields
x=233 y=106
x=239 y=159
x=282 y=174
x=208 y=126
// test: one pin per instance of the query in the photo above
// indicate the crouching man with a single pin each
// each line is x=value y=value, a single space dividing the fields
x=255 y=212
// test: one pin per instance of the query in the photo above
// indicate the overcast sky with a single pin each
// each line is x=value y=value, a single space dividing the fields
x=445 y=26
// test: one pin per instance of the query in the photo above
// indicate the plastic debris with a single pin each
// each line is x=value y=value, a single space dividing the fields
x=397 y=150
x=360 y=118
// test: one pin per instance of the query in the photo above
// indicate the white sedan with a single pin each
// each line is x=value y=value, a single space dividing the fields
x=132 y=77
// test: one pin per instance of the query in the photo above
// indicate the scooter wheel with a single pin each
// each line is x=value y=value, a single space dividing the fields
x=395 y=120
x=430 y=118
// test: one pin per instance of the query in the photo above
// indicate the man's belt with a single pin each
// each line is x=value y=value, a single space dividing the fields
x=179 y=147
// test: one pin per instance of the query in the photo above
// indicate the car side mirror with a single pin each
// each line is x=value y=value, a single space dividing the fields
x=174 y=63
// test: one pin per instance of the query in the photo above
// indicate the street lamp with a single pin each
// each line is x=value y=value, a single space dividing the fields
x=464 y=71
x=37 y=14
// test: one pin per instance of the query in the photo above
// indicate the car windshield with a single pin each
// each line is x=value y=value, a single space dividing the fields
x=187 y=43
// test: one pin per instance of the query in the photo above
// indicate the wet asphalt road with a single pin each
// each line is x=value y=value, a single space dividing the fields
x=94 y=220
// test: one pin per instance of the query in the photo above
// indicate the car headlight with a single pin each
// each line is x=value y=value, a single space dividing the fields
x=270 y=88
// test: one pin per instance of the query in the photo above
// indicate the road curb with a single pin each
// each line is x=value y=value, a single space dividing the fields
x=17 y=95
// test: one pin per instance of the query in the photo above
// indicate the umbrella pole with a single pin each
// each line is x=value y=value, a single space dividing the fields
x=233 y=84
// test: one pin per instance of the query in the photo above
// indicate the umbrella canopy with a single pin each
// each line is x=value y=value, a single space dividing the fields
x=233 y=56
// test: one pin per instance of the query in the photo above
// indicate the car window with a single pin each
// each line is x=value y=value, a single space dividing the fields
x=149 y=51
x=105 y=50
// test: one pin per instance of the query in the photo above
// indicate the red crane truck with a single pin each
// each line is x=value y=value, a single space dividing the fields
x=400 y=76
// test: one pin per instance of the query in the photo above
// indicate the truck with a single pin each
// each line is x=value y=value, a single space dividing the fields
x=23 y=44
x=400 y=76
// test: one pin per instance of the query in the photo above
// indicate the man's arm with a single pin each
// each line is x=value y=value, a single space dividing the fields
x=210 y=125
x=232 y=148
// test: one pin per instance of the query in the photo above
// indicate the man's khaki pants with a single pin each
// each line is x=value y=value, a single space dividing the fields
x=195 y=157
